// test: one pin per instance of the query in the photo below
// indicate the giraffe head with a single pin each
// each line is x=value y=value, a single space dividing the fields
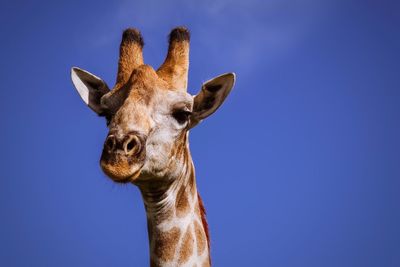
x=149 y=112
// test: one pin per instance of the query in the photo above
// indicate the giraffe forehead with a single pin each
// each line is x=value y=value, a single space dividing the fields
x=159 y=98
x=146 y=87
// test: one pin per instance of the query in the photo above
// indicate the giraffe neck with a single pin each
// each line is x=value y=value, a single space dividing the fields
x=178 y=231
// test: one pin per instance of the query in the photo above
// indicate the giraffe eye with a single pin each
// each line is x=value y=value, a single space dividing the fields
x=181 y=116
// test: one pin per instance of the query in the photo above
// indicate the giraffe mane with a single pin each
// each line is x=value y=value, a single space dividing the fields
x=205 y=224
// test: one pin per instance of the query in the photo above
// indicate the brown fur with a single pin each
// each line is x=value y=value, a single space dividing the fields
x=201 y=242
x=130 y=54
x=165 y=244
x=182 y=203
x=187 y=247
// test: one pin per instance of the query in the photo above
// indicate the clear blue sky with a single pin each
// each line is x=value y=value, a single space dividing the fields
x=300 y=166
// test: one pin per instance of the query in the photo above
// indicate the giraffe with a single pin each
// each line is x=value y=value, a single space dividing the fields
x=149 y=114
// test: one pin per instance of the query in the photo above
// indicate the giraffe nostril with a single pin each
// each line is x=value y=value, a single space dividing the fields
x=110 y=143
x=132 y=145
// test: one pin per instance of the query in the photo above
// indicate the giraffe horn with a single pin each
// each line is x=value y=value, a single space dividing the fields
x=130 y=55
x=175 y=68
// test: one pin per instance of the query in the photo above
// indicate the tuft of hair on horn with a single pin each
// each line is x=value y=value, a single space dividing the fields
x=179 y=34
x=132 y=35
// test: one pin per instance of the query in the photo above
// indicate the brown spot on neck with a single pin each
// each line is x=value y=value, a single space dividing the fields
x=165 y=243
x=182 y=203
x=201 y=242
x=188 y=189
x=187 y=247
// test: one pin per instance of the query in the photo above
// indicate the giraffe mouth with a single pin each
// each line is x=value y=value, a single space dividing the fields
x=134 y=176
x=121 y=176
x=121 y=169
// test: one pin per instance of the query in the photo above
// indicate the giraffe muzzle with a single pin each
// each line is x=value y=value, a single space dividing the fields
x=123 y=156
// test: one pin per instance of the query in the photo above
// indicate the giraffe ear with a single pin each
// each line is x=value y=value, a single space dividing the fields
x=211 y=97
x=90 y=87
